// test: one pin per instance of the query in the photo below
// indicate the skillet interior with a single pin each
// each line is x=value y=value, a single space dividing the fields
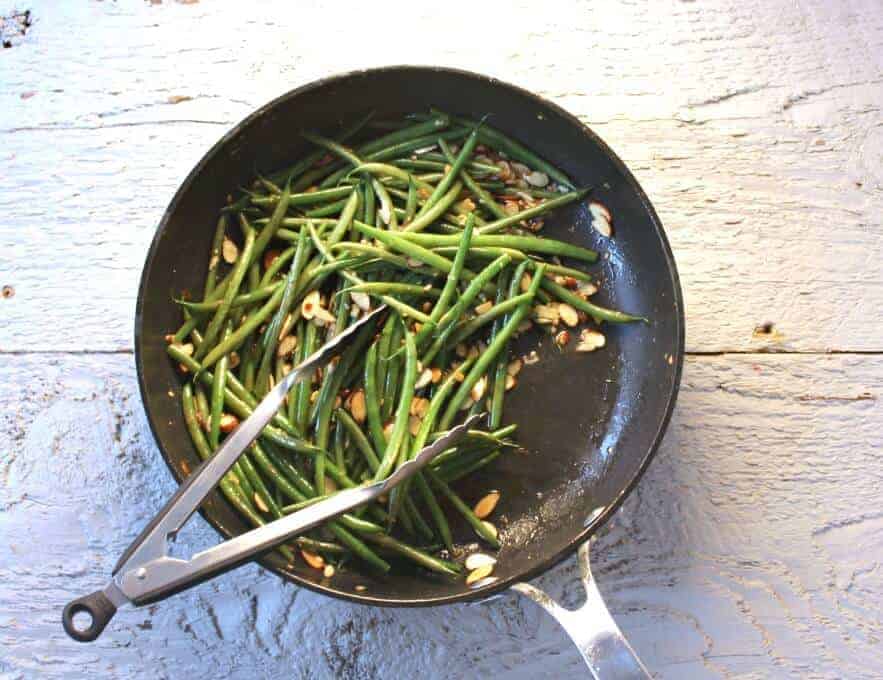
x=589 y=422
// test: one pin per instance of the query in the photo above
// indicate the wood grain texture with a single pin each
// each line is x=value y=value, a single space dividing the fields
x=752 y=548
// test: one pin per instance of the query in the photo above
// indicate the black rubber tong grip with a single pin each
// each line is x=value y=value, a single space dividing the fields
x=97 y=606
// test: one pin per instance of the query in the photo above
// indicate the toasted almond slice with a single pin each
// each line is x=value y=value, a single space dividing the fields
x=478 y=389
x=228 y=423
x=286 y=369
x=361 y=300
x=459 y=376
x=357 y=406
x=525 y=283
x=601 y=219
x=424 y=378
x=328 y=571
x=505 y=170
x=414 y=423
x=547 y=315
x=562 y=338
x=568 y=314
x=473 y=352
x=479 y=560
x=229 y=250
x=537 y=178
x=481 y=583
x=436 y=375
x=413 y=263
x=467 y=205
x=511 y=382
x=360 y=588
x=461 y=350
x=466 y=405
x=259 y=502
x=520 y=168
x=484 y=307
x=330 y=485
x=323 y=315
x=486 y=505
x=524 y=326
x=314 y=560
x=387 y=431
x=287 y=346
x=232 y=360
x=478 y=574
x=590 y=340
x=514 y=367
x=531 y=358
x=419 y=406
x=310 y=304
x=313 y=396
x=586 y=289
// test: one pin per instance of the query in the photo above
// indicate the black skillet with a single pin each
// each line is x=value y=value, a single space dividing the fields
x=590 y=423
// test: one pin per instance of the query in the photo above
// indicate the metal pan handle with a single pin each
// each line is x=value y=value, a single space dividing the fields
x=605 y=650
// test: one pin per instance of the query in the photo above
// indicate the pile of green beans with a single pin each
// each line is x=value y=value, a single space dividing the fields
x=432 y=216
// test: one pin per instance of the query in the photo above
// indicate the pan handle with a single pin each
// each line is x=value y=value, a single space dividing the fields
x=605 y=650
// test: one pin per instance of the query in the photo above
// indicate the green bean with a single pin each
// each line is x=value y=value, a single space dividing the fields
x=415 y=555
x=489 y=253
x=356 y=435
x=531 y=244
x=272 y=334
x=400 y=424
x=411 y=201
x=306 y=198
x=218 y=384
x=456 y=472
x=302 y=402
x=596 y=311
x=387 y=211
x=484 y=360
x=328 y=209
x=437 y=122
x=367 y=249
x=313 y=545
x=240 y=407
x=372 y=401
x=501 y=142
x=500 y=372
x=451 y=175
x=229 y=488
x=467 y=328
x=239 y=271
x=480 y=528
x=484 y=197
x=381 y=287
x=534 y=211
x=214 y=258
x=436 y=210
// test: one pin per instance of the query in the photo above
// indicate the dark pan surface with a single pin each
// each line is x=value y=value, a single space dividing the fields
x=590 y=422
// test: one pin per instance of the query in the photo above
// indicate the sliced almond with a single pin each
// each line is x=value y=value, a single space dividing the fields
x=387 y=431
x=313 y=396
x=414 y=423
x=484 y=307
x=424 y=378
x=537 y=178
x=232 y=360
x=413 y=263
x=479 y=560
x=531 y=358
x=586 y=289
x=481 y=583
x=459 y=377
x=310 y=304
x=314 y=560
x=361 y=300
x=514 y=367
x=229 y=250
x=478 y=574
x=357 y=407
x=473 y=352
x=186 y=348
x=562 y=338
x=525 y=283
x=486 y=505
x=228 y=423
x=505 y=170
x=547 y=315
x=419 y=406
x=323 y=315
x=436 y=375
x=330 y=485
x=524 y=326
x=461 y=350
x=511 y=207
x=287 y=346
x=259 y=502
x=590 y=340
x=328 y=571
x=467 y=205
x=511 y=382
x=479 y=388
x=360 y=588
x=568 y=314
x=466 y=405
x=601 y=219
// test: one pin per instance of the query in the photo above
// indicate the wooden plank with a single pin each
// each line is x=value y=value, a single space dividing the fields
x=753 y=126
x=750 y=549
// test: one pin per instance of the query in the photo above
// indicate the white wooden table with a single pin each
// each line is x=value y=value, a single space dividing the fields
x=753 y=548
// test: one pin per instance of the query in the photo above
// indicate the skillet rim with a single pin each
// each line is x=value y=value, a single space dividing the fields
x=548 y=562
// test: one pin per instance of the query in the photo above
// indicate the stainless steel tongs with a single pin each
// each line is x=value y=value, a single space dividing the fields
x=146 y=573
